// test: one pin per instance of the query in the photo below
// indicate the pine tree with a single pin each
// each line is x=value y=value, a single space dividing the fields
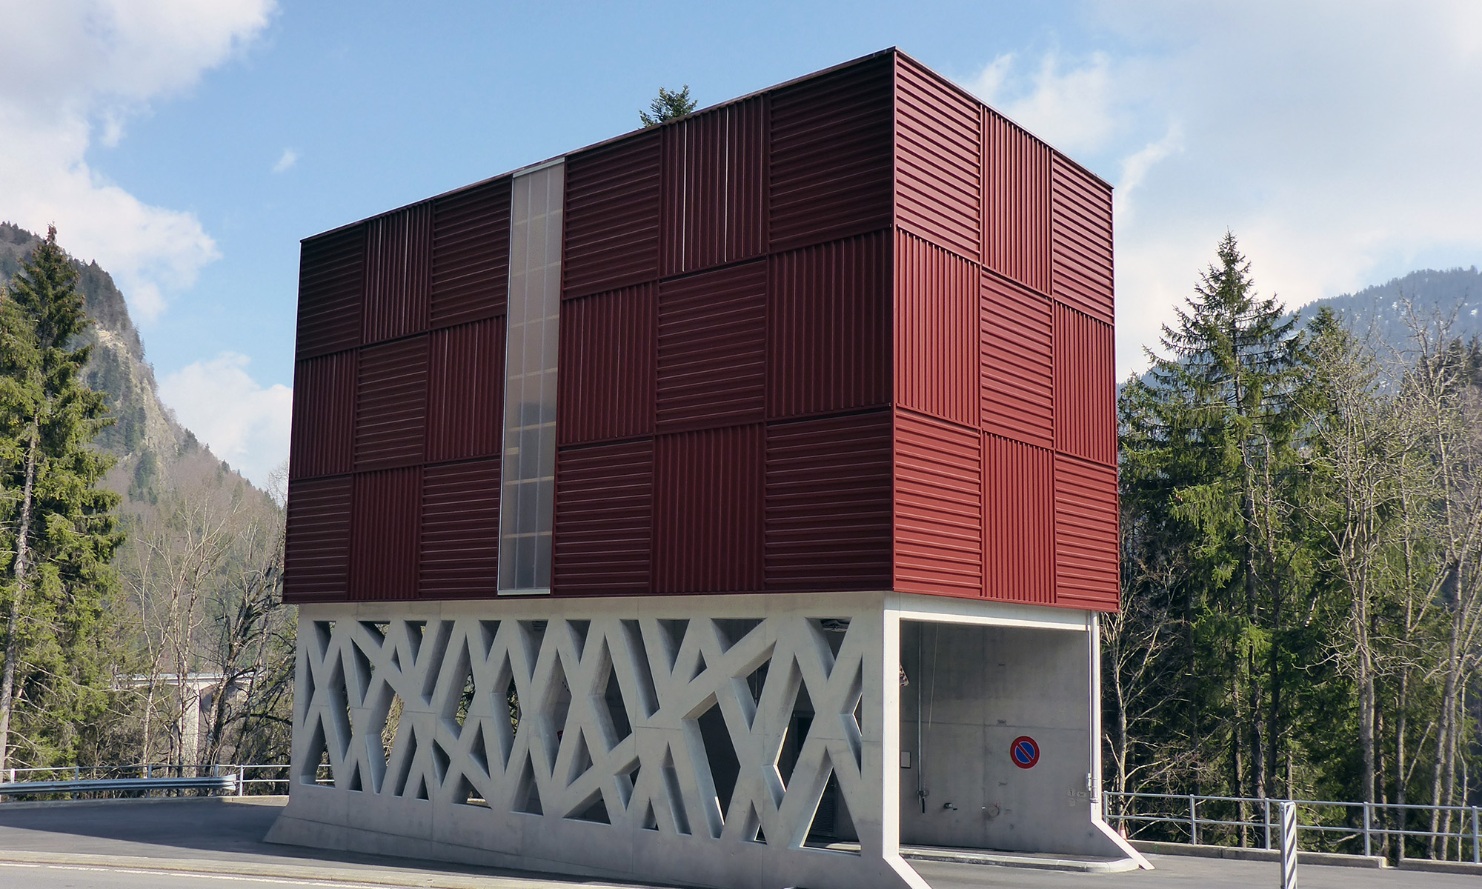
x=667 y=105
x=59 y=528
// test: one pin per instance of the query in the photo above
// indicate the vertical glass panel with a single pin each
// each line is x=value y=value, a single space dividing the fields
x=527 y=501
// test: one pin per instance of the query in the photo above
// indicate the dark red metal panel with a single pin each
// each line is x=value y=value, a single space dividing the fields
x=936 y=331
x=383 y=548
x=1018 y=522
x=331 y=288
x=391 y=404
x=1085 y=387
x=604 y=519
x=608 y=353
x=1086 y=523
x=715 y=187
x=828 y=500
x=937 y=166
x=470 y=253
x=708 y=510
x=938 y=507
x=323 y=439
x=612 y=216
x=832 y=140
x=1081 y=238
x=316 y=559
x=1016 y=203
x=712 y=348
x=1018 y=369
x=459 y=531
x=465 y=390
x=828 y=327
x=398 y=271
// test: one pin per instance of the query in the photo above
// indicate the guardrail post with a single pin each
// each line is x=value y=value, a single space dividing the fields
x=1367 y=843
x=1288 y=844
x=1266 y=819
x=1476 y=836
x=241 y=780
x=1193 y=819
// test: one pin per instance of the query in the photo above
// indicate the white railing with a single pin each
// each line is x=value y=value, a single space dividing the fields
x=251 y=779
x=1364 y=824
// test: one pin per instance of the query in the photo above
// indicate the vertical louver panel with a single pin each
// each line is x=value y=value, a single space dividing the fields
x=1082 y=240
x=828 y=327
x=712 y=348
x=323 y=438
x=1086 y=521
x=938 y=507
x=1018 y=522
x=831 y=148
x=316 y=559
x=398 y=271
x=708 y=510
x=331 y=290
x=391 y=404
x=1016 y=203
x=937 y=166
x=1085 y=387
x=604 y=519
x=465 y=390
x=612 y=216
x=470 y=253
x=715 y=187
x=828 y=501
x=460 y=531
x=1018 y=398
x=383 y=550
x=608 y=353
x=936 y=331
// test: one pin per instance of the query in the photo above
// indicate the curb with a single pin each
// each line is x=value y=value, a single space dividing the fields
x=1328 y=859
x=1440 y=867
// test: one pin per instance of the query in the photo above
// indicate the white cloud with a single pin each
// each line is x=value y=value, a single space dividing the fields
x=243 y=422
x=286 y=160
x=74 y=73
x=1336 y=140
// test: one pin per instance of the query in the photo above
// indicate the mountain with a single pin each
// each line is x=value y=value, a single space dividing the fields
x=1383 y=310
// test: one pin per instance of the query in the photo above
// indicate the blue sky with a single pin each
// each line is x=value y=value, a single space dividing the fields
x=187 y=145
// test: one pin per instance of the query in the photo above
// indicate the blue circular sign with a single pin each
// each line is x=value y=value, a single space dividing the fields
x=1024 y=752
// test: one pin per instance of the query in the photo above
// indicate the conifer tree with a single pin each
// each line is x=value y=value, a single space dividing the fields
x=57 y=527
x=667 y=105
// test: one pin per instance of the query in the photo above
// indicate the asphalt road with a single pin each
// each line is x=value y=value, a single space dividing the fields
x=217 y=844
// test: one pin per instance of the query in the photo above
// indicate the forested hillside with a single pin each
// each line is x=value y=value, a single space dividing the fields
x=1384 y=313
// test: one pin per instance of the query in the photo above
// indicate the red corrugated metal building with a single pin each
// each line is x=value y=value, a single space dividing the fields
x=850 y=333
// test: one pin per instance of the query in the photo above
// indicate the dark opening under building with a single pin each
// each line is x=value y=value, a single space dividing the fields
x=725 y=504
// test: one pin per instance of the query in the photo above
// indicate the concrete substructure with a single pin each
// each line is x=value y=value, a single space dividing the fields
x=720 y=740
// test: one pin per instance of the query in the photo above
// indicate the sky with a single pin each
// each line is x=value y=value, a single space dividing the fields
x=188 y=145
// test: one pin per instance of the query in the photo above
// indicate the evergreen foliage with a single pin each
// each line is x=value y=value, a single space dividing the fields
x=668 y=105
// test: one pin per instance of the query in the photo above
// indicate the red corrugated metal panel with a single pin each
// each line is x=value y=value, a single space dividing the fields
x=937 y=165
x=398 y=270
x=1018 y=367
x=383 y=547
x=715 y=187
x=608 y=351
x=936 y=331
x=1016 y=203
x=316 y=558
x=1018 y=522
x=460 y=531
x=1085 y=387
x=1081 y=235
x=713 y=348
x=1086 y=533
x=323 y=438
x=612 y=216
x=604 y=519
x=938 y=507
x=832 y=144
x=828 y=520
x=465 y=390
x=828 y=327
x=391 y=404
x=331 y=288
x=708 y=510
x=470 y=253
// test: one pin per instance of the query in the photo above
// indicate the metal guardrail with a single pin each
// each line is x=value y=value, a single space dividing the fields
x=239 y=780
x=1365 y=822
x=119 y=785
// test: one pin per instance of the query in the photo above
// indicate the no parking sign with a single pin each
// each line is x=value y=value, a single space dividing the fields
x=1024 y=752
